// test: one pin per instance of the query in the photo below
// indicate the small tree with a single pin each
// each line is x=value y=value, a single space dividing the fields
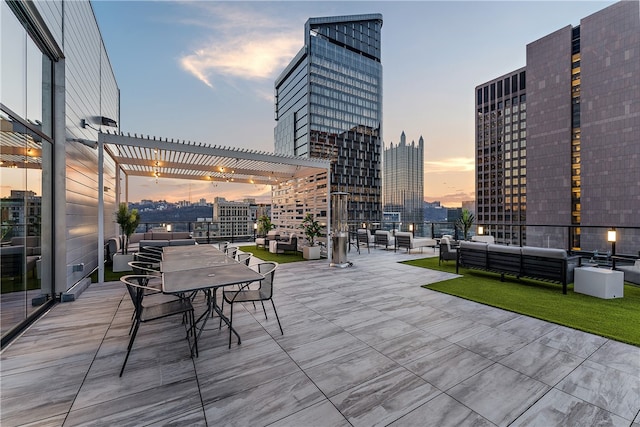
x=128 y=221
x=465 y=222
x=264 y=225
x=311 y=228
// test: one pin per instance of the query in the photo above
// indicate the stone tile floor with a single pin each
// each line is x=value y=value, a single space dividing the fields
x=362 y=346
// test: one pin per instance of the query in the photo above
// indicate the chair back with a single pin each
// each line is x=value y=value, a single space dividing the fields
x=267 y=269
x=148 y=257
x=245 y=258
x=223 y=246
x=445 y=244
x=363 y=235
x=136 y=286
x=231 y=251
x=143 y=267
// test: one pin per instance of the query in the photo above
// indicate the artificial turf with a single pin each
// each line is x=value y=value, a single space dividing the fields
x=617 y=319
x=265 y=255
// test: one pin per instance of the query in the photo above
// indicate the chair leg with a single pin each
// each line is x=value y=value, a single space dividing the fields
x=133 y=337
x=230 y=322
x=277 y=318
x=194 y=332
x=265 y=310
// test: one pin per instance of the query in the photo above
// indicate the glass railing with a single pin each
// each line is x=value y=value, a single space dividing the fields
x=573 y=238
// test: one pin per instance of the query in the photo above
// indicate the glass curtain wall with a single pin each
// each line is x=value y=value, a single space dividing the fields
x=25 y=175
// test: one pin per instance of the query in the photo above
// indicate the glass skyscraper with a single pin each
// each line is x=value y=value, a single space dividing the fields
x=404 y=180
x=328 y=103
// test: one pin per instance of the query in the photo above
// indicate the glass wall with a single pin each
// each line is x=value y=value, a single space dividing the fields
x=25 y=175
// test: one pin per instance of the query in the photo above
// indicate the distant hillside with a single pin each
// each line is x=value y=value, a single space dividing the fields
x=174 y=214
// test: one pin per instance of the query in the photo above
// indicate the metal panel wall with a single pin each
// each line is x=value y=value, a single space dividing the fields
x=91 y=91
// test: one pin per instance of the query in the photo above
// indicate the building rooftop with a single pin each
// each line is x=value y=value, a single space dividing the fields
x=365 y=345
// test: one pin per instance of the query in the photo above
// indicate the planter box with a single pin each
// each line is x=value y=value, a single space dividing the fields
x=311 y=252
x=121 y=262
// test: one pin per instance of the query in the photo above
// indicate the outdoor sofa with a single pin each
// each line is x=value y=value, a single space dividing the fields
x=405 y=239
x=547 y=264
x=631 y=272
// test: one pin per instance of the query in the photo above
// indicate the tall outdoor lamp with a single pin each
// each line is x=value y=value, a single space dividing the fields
x=255 y=229
x=611 y=237
x=480 y=230
x=411 y=228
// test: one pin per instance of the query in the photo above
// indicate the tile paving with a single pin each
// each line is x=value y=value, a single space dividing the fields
x=362 y=346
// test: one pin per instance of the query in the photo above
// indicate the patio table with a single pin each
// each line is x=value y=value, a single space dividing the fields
x=204 y=271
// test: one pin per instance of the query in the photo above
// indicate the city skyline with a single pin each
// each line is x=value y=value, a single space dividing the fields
x=202 y=71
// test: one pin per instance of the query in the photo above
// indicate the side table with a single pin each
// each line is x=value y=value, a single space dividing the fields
x=599 y=282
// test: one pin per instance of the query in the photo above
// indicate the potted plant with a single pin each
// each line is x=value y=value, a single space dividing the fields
x=128 y=221
x=465 y=222
x=264 y=225
x=311 y=229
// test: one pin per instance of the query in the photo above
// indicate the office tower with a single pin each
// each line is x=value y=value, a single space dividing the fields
x=328 y=103
x=501 y=141
x=403 y=180
x=577 y=167
x=583 y=159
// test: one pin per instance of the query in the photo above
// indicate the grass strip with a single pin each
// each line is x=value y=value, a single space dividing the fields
x=265 y=255
x=617 y=319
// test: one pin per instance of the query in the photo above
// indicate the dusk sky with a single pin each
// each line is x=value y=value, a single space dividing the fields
x=204 y=71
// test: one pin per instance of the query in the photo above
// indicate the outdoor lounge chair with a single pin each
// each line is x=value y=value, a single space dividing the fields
x=384 y=238
x=291 y=245
x=447 y=253
x=365 y=238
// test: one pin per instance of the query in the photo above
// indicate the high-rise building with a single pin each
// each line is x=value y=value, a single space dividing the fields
x=328 y=103
x=583 y=158
x=564 y=157
x=403 y=180
x=501 y=141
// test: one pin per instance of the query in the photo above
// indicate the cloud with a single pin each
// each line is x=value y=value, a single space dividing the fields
x=240 y=44
x=454 y=164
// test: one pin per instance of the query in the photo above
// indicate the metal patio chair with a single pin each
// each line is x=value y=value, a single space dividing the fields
x=144 y=312
x=262 y=294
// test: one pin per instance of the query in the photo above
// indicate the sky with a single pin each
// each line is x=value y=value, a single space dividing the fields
x=204 y=71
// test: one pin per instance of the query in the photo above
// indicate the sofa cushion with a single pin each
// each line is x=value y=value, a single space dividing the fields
x=154 y=242
x=544 y=252
x=180 y=235
x=504 y=249
x=136 y=237
x=182 y=242
x=162 y=235
x=476 y=246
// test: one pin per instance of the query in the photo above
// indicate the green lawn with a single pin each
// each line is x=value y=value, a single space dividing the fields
x=614 y=318
x=265 y=255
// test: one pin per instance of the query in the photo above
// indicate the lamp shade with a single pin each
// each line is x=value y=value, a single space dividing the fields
x=611 y=235
x=480 y=230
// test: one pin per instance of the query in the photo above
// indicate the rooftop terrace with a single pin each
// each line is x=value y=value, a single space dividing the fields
x=364 y=345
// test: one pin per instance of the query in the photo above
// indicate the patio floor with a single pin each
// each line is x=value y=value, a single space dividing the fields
x=362 y=346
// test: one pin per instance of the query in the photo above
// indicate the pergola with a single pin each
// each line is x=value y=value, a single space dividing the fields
x=163 y=158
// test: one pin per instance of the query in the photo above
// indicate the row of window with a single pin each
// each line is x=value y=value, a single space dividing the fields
x=501 y=88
